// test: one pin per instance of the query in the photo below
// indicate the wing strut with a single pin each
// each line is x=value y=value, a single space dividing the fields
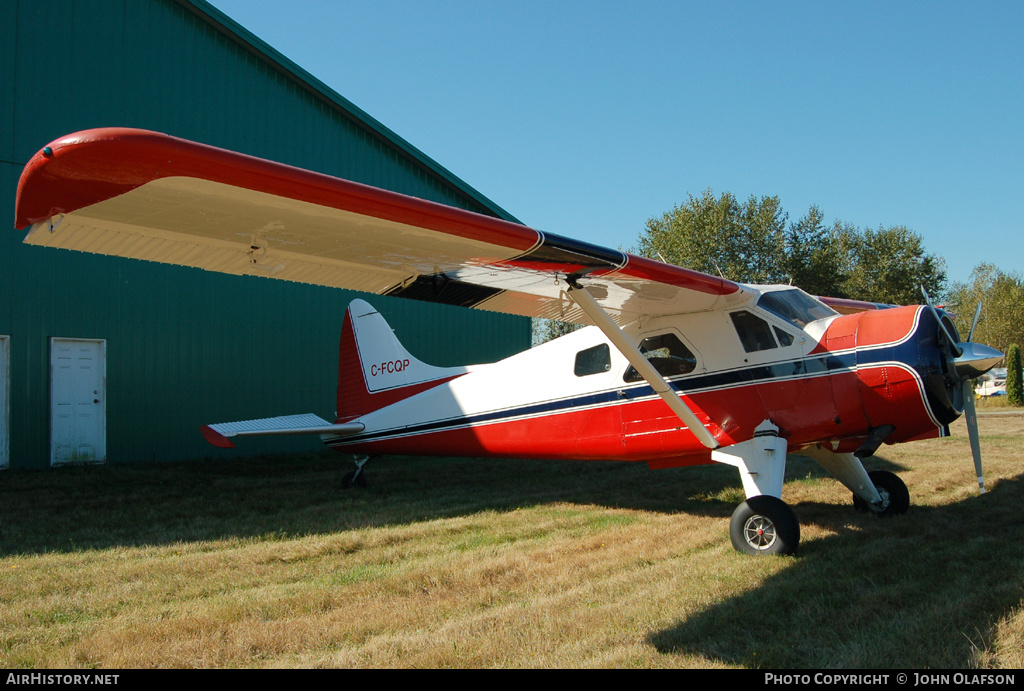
x=626 y=346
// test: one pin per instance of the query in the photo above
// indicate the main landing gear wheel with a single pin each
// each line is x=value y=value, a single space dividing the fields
x=764 y=525
x=894 y=493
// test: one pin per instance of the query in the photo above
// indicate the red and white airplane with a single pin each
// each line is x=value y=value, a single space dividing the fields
x=677 y=368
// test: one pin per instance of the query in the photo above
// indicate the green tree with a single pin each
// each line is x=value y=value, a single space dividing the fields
x=751 y=242
x=1014 y=385
x=545 y=330
x=721 y=236
x=1001 y=296
x=816 y=255
x=890 y=265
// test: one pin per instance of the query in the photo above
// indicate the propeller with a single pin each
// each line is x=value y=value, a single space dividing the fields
x=953 y=345
x=970 y=360
x=974 y=324
x=972 y=432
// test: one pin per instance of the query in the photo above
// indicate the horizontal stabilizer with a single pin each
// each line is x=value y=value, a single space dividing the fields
x=307 y=423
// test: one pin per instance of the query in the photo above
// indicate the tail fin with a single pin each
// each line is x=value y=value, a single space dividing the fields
x=374 y=369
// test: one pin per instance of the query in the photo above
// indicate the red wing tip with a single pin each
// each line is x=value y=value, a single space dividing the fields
x=216 y=438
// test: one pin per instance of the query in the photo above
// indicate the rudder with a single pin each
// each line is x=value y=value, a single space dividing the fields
x=374 y=368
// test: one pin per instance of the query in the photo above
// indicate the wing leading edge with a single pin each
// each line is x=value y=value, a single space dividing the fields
x=145 y=195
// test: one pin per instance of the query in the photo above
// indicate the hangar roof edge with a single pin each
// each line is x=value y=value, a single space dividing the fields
x=248 y=39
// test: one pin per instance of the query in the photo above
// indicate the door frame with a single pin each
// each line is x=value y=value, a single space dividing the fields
x=5 y=402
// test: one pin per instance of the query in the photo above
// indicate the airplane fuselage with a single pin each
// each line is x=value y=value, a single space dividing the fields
x=830 y=380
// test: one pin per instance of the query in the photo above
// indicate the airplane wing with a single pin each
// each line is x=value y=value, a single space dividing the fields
x=145 y=195
x=846 y=306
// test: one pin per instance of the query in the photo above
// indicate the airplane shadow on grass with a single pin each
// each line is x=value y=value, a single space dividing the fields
x=923 y=590
x=97 y=507
x=920 y=590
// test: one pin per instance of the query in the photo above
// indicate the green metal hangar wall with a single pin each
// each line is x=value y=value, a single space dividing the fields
x=148 y=351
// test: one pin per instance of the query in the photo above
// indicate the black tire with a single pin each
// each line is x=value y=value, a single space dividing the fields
x=352 y=479
x=764 y=525
x=894 y=493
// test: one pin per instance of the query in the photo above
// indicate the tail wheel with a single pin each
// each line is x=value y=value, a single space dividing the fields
x=356 y=478
x=893 y=491
x=353 y=479
x=764 y=525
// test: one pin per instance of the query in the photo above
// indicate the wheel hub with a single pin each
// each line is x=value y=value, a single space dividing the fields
x=759 y=532
x=886 y=499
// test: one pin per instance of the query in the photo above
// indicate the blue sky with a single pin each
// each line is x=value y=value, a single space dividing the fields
x=587 y=118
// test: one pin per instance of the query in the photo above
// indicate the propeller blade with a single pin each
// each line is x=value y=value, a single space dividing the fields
x=977 y=313
x=970 y=360
x=953 y=345
x=970 y=414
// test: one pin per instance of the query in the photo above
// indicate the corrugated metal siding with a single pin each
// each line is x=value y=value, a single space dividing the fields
x=158 y=65
x=184 y=345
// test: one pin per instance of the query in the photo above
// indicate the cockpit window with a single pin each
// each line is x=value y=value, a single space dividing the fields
x=754 y=332
x=593 y=360
x=668 y=355
x=795 y=306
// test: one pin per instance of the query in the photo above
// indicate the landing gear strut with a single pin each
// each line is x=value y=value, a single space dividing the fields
x=355 y=478
x=763 y=524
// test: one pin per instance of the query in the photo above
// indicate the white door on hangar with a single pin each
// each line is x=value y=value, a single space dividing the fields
x=5 y=401
x=78 y=418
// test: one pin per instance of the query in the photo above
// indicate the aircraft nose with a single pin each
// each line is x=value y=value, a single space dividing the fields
x=975 y=360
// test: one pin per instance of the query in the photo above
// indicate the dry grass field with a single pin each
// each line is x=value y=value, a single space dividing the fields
x=482 y=563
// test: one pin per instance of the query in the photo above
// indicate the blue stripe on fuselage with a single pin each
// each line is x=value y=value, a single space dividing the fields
x=804 y=368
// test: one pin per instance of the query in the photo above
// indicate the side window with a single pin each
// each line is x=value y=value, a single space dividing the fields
x=593 y=360
x=668 y=355
x=785 y=338
x=754 y=332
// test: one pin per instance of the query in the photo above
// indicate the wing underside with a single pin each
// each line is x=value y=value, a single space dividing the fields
x=144 y=195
